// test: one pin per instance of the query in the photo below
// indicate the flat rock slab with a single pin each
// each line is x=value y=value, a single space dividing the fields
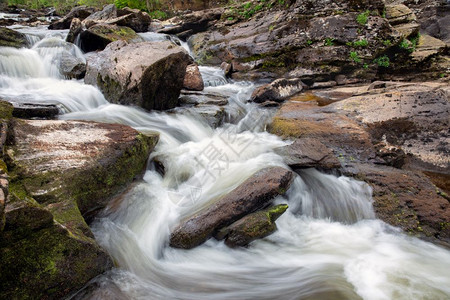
x=308 y=153
x=253 y=194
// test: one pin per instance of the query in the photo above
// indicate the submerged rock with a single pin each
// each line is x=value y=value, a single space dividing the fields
x=12 y=38
x=61 y=171
x=254 y=226
x=253 y=194
x=99 y=36
x=148 y=74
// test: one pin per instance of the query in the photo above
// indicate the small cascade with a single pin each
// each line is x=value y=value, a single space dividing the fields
x=212 y=76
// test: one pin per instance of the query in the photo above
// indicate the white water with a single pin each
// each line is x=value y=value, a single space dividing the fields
x=328 y=244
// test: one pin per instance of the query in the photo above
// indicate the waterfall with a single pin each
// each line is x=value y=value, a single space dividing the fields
x=328 y=245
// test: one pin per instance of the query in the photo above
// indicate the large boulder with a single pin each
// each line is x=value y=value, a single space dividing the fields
x=12 y=38
x=47 y=249
x=148 y=74
x=253 y=194
x=254 y=226
x=80 y=12
x=99 y=36
x=137 y=20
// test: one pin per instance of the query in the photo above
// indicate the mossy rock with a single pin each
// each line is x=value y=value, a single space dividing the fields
x=254 y=226
x=12 y=38
x=47 y=249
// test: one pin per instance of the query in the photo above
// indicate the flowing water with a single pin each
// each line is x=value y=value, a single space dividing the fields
x=329 y=245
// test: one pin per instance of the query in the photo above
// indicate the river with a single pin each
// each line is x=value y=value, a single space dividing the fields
x=329 y=244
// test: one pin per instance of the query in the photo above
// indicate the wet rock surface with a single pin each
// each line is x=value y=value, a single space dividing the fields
x=71 y=66
x=148 y=74
x=253 y=194
x=278 y=90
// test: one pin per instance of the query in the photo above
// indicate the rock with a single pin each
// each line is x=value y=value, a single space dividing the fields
x=108 y=12
x=407 y=200
x=427 y=46
x=271 y=42
x=211 y=114
x=80 y=12
x=74 y=31
x=56 y=180
x=148 y=74
x=412 y=117
x=3 y=196
x=135 y=19
x=194 y=22
x=97 y=37
x=31 y=111
x=227 y=68
x=399 y=13
x=278 y=91
x=308 y=153
x=202 y=97
x=254 y=226
x=323 y=85
x=71 y=66
x=253 y=194
x=12 y=38
x=193 y=79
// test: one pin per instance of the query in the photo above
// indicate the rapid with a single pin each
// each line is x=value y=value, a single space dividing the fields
x=329 y=244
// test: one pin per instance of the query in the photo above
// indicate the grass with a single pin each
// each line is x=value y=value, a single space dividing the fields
x=358 y=44
x=363 y=17
x=382 y=61
x=355 y=57
x=329 y=42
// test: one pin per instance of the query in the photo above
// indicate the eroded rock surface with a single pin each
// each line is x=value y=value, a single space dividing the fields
x=97 y=37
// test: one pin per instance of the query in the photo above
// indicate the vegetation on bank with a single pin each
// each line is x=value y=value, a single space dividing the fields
x=153 y=7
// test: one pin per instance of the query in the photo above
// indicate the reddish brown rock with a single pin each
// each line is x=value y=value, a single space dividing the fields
x=193 y=79
x=253 y=194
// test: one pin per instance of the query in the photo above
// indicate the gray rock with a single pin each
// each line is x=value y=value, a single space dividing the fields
x=32 y=111
x=74 y=31
x=80 y=12
x=71 y=66
x=148 y=74
x=12 y=38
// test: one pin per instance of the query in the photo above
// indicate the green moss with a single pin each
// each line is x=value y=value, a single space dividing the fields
x=6 y=110
x=12 y=38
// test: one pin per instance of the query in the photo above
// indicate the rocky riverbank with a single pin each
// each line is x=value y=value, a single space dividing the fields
x=361 y=89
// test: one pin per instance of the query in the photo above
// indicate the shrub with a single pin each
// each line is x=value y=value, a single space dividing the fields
x=354 y=56
x=382 y=61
